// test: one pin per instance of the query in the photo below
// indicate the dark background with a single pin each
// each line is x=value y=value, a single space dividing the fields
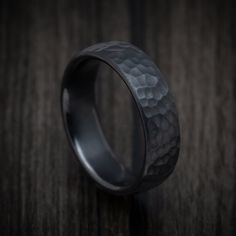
x=43 y=189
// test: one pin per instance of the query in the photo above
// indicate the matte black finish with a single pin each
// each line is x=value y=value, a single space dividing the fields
x=150 y=91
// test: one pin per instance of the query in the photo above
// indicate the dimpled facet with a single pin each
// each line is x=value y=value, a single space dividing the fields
x=153 y=98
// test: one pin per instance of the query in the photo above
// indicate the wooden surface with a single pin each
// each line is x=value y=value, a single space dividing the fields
x=43 y=189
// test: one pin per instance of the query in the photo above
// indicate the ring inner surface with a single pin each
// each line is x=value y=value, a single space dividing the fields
x=86 y=133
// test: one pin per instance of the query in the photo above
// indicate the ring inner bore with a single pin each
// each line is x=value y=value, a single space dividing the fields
x=86 y=121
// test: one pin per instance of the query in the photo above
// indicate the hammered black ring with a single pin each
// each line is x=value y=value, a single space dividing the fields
x=156 y=108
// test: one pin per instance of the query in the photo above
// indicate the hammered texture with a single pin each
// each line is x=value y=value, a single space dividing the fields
x=157 y=107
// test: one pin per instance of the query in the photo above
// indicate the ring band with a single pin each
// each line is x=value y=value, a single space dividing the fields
x=156 y=109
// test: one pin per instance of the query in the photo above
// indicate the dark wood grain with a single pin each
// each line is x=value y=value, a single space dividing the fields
x=43 y=189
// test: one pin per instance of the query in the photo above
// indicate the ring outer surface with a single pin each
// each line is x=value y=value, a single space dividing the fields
x=155 y=104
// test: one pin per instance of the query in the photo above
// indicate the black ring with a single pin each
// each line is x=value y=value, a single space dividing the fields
x=156 y=109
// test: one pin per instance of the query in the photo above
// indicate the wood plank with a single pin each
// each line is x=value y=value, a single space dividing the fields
x=44 y=190
x=192 y=43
